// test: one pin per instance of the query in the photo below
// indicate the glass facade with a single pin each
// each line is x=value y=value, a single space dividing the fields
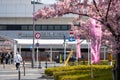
x=37 y=27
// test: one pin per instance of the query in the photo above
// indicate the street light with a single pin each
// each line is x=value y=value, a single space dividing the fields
x=33 y=49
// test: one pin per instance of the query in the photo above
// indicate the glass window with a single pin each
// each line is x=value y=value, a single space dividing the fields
x=30 y=27
x=44 y=27
x=57 y=27
x=24 y=27
x=13 y=27
x=63 y=27
x=50 y=27
x=2 y=27
x=38 y=27
x=68 y=27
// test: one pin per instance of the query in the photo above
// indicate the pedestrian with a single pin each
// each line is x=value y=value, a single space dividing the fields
x=6 y=58
x=110 y=58
x=3 y=59
x=17 y=60
x=83 y=59
x=9 y=57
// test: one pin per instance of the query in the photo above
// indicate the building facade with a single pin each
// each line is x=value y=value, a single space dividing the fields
x=16 y=22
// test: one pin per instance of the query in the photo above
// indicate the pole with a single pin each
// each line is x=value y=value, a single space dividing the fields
x=33 y=51
x=51 y=54
x=19 y=74
x=88 y=53
x=24 y=66
x=92 y=76
x=104 y=53
x=64 y=49
x=3 y=63
x=37 y=57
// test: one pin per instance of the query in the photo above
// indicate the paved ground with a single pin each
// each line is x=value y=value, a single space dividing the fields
x=9 y=72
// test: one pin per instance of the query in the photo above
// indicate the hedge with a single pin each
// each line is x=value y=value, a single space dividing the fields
x=50 y=71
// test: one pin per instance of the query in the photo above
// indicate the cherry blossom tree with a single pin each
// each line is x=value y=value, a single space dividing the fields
x=107 y=12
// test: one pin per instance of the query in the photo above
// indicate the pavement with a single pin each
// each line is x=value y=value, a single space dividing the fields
x=9 y=72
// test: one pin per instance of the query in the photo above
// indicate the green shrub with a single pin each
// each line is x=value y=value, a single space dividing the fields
x=99 y=76
x=78 y=72
x=73 y=77
x=102 y=62
x=49 y=71
x=73 y=72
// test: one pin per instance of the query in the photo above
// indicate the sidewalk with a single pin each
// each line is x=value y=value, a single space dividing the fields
x=9 y=72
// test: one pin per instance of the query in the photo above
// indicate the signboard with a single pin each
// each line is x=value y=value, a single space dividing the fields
x=71 y=33
x=37 y=44
x=37 y=35
x=71 y=38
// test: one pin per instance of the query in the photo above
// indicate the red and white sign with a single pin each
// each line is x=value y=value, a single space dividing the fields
x=71 y=33
x=37 y=35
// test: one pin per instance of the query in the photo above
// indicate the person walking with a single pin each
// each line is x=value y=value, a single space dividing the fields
x=18 y=60
x=3 y=58
x=9 y=57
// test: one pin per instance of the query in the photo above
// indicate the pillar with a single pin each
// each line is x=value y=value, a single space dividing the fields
x=51 y=54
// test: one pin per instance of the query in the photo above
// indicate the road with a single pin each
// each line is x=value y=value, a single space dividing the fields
x=27 y=73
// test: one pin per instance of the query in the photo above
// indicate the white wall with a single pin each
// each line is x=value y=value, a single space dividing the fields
x=17 y=8
x=20 y=8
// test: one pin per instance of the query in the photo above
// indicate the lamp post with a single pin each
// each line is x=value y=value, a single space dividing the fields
x=33 y=49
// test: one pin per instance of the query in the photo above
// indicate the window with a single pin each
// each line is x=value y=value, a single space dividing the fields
x=2 y=27
x=38 y=27
x=13 y=27
x=24 y=27
x=44 y=27
x=50 y=27
x=57 y=27
x=30 y=27
x=64 y=27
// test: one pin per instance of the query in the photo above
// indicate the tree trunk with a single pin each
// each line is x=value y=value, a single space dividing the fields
x=118 y=58
x=118 y=66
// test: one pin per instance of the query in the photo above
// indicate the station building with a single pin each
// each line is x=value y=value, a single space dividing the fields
x=16 y=25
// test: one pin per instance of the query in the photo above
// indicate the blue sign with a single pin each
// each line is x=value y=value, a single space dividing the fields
x=37 y=44
x=71 y=39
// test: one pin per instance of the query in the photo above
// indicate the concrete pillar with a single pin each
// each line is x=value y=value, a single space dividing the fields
x=19 y=48
x=104 y=53
x=51 y=54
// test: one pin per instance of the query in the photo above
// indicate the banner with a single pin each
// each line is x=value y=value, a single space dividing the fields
x=95 y=36
x=78 y=51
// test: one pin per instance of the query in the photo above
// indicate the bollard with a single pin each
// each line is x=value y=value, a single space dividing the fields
x=46 y=64
x=3 y=63
x=40 y=64
x=19 y=73
x=54 y=64
x=24 y=67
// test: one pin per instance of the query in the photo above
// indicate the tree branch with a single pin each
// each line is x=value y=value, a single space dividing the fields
x=97 y=8
x=108 y=10
x=109 y=27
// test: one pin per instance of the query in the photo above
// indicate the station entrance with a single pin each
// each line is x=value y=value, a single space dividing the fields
x=8 y=48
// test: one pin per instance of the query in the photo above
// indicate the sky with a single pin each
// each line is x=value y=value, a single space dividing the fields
x=48 y=1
